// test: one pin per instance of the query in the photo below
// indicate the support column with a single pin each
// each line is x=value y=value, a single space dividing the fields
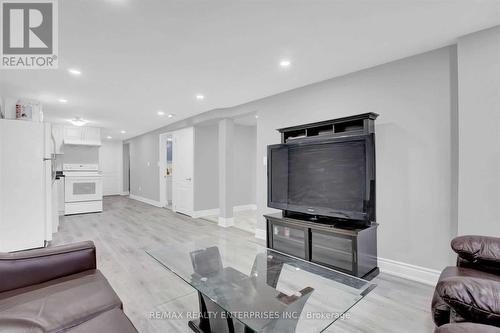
x=226 y=172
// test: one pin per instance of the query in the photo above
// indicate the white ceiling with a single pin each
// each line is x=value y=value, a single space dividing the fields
x=139 y=56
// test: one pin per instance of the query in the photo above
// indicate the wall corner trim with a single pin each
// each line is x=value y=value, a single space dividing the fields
x=260 y=234
x=240 y=208
x=145 y=200
x=204 y=213
x=216 y=211
x=226 y=222
x=410 y=272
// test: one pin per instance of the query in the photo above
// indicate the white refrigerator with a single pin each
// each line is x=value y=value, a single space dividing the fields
x=26 y=184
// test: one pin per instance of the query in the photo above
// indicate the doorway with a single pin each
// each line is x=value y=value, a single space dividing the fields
x=126 y=169
x=176 y=170
x=166 y=169
x=244 y=173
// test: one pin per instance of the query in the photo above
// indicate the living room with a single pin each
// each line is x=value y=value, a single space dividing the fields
x=270 y=167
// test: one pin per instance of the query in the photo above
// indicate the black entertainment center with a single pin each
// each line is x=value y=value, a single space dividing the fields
x=322 y=177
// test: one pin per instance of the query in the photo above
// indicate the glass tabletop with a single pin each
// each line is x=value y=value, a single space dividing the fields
x=262 y=289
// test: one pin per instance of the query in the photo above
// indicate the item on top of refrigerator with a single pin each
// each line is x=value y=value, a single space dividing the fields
x=19 y=109
x=27 y=111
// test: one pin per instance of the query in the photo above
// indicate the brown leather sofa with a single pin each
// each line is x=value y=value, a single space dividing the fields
x=467 y=328
x=468 y=295
x=58 y=289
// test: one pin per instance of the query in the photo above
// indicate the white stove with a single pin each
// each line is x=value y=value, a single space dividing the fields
x=83 y=189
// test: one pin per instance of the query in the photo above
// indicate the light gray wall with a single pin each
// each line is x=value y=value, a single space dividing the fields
x=414 y=98
x=245 y=150
x=206 y=167
x=126 y=167
x=144 y=170
x=81 y=154
x=479 y=128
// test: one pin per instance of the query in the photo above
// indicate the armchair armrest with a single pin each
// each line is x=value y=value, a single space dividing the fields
x=26 y=268
x=474 y=299
x=478 y=252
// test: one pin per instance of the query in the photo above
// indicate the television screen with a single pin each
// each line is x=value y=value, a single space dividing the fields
x=324 y=178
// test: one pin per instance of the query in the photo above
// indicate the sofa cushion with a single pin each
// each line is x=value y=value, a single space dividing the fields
x=112 y=321
x=57 y=304
x=473 y=298
x=478 y=249
x=441 y=310
x=26 y=268
x=467 y=328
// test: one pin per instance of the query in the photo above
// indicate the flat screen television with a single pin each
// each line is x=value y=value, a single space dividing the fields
x=330 y=177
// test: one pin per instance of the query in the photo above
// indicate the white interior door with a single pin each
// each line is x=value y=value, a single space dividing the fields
x=182 y=175
x=111 y=165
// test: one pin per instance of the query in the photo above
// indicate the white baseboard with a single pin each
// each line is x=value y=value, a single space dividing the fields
x=260 y=234
x=226 y=222
x=240 y=208
x=203 y=213
x=125 y=193
x=145 y=200
x=409 y=272
x=216 y=211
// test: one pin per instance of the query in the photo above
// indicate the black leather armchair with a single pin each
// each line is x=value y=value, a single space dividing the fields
x=469 y=293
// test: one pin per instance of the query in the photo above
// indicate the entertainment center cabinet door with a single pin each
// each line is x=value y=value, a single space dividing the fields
x=332 y=250
x=290 y=240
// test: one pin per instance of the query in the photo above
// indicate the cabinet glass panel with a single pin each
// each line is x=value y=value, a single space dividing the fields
x=331 y=250
x=289 y=240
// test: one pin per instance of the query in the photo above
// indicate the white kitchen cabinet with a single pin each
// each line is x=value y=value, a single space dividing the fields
x=92 y=135
x=58 y=135
x=88 y=136
x=73 y=135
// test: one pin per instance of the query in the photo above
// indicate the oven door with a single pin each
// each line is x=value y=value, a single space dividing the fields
x=83 y=189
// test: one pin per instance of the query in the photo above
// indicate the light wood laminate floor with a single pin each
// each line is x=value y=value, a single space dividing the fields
x=127 y=228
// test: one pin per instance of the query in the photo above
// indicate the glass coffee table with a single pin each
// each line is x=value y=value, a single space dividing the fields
x=243 y=287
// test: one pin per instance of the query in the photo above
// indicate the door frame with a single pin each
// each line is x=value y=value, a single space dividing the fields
x=162 y=163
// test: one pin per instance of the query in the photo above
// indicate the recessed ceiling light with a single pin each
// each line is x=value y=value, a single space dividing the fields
x=109 y=137
x=170 y=115
x=256 y=116
x=122 y=132
x=74 y=71
x=160 y=113
x=78 y=121
x=285 y=63
x=200 y=97
x=63 y=100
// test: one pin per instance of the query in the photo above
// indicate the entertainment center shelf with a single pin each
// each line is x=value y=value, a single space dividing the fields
x=322 y=177
x=349 y=249
x=352 y=125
